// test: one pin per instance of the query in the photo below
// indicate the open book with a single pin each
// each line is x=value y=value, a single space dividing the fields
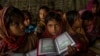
x=30 y=53
x=48 y=46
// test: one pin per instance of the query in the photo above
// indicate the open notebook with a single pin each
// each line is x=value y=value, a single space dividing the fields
x=48 y=46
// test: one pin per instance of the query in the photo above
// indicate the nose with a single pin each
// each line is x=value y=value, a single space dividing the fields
x=54 y=28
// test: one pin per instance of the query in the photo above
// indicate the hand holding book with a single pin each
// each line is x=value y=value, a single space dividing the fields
x=48 y=46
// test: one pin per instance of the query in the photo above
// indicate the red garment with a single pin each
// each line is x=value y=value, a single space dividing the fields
x=8 y=42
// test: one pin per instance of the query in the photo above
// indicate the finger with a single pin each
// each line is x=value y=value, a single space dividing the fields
x=70 y=50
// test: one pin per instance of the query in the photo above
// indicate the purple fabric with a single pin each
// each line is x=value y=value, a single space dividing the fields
x=90 y=4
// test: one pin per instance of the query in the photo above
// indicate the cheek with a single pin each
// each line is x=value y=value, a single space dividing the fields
x=94 y=10
x=78 y=23
x=13 y=31
x=58 y=29
x=16 y=31
x=50 y=29
x=27 y=22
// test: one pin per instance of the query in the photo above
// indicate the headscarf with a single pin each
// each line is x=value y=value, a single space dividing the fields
x=7 y=41
x=90 y=4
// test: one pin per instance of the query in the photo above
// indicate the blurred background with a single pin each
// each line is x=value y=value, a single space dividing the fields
x=33 y=5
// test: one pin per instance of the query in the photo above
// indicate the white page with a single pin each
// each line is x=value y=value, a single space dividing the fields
x=32 y=53
x=46 y=46
x=17 y=54
x=62 y=41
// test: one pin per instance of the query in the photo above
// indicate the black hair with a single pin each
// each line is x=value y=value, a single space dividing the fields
x=45 y=8
x=71 y=16
x=1 y=7
x=58 y=10
x=27 y=13
x=87 y=15
x=13 y=15
x=53 y=15
x=96 y=3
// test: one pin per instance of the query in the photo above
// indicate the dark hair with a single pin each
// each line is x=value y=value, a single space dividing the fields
x=71 y=16
x=45 y=8
x=1 y=7
x=53 y=15
x=27 y=13
x=58 y=10
x=13 y=15
x=87 y=15
x=96 y=3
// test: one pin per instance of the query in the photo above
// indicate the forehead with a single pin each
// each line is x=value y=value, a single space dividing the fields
x=17 y=18
x=42 y=10
x=52 y=21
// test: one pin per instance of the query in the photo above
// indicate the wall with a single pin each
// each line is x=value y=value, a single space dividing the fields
x=33 y=5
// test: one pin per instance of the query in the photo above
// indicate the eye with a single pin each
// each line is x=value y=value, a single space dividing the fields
x=50 y=25
x=16 y=23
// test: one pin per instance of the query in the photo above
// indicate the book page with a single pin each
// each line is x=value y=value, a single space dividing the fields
x=62 y=41
x=32 y=53
x=17 y=54
x=46 y=46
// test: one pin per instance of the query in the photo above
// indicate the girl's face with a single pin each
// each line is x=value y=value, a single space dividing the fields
x=27 y=21
x=53 y=27
x=77 y=21
x=94 y=8
x=42 y=14
x=17 y=28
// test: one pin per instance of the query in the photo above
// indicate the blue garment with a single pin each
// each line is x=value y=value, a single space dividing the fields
x=30 y=28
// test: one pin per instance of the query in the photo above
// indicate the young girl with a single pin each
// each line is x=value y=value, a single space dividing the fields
x=74 y=28
x=54 y=28
x=43 y=11
x=92 y=29
x=93 y=6
x=28 y=22
x=11 y=30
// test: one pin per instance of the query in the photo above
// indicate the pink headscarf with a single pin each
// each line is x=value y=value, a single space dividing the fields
x=90 y=4
x=89 y=7
x=7 y=41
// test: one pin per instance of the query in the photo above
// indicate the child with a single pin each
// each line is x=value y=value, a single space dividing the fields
x=11 y=30
x=28 y=22
x=92 y=28
x=93 y=6
x=12 y=33
x=74 y=28
x=88 y=22
x=43 y=11
x=54 y=28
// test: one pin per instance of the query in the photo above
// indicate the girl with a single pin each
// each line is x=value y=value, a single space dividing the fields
x=92 y=29
x=74 y=28
x=54 y=28
x=43 y=11
x=28 y=22
x=12 y=35
x=93 y=6
x=11 y=30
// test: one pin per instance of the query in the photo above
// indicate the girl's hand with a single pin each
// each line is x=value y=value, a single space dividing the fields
x=71 y=50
